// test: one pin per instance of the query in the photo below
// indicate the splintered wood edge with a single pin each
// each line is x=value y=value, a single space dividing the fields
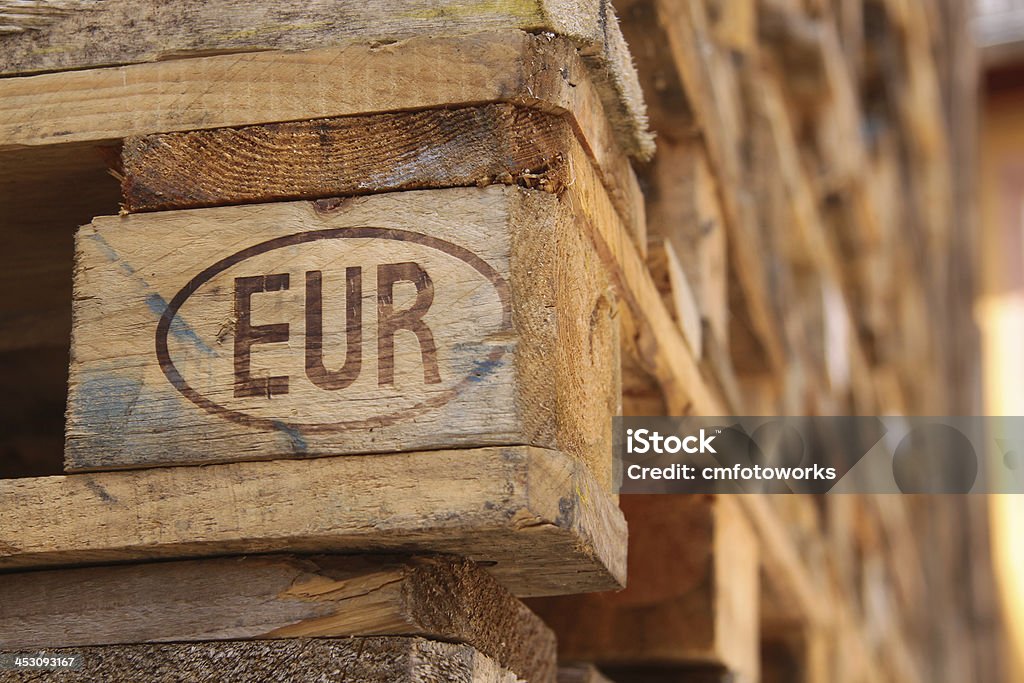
x=537 y=517
x=439 y=597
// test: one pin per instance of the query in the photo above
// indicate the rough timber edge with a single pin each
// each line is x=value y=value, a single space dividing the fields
x=604 y=50
x=536 y=517
x=59 y=36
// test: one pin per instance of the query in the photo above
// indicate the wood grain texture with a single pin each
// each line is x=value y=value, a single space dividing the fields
x=103 y=106
x=355 y=155
x=431 y=69
x=683 y=208
x=276 y=597
x=650 y=335
x=58 y=35
x=435 y=148
x=368 y=660
x=539 y=516
x=404 y=321
x=692 y=598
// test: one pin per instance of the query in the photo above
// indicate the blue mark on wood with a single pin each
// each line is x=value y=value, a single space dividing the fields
x=156 y=303
x=179 y=328
x=483 y=368
x=295 y=438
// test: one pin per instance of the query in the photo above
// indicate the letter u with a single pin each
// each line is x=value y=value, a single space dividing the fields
x=319 y=375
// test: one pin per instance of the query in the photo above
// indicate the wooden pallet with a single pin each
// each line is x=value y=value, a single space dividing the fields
x=758 y=271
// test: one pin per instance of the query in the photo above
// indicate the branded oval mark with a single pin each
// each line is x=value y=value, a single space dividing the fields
x=171 y=324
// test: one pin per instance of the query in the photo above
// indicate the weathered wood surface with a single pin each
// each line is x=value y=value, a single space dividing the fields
x=435 y=148
x=539 y=516
x=345 y=156
x=367 y=660
x=649 y=333
x=47 y=35
x=276 y=597
x=404 y=321
x=358 y=77
x=101 y=107
x=692 y=598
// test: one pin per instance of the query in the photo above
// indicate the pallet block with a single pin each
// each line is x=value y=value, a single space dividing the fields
x=367 y=660
x=692 y=599
x=408 y=321
x=538 y=519
x=276 y=597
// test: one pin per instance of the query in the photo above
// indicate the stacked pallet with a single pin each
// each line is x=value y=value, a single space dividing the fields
x=401 y=234
x=346 y=359
x=812 y=181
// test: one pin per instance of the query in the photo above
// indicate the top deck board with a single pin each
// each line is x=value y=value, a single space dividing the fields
x=58 y=35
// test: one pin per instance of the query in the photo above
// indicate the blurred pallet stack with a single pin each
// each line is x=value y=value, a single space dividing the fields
x=813 y=181
x=360 y=286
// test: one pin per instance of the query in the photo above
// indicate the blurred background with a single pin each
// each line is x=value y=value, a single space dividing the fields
x=998 y=29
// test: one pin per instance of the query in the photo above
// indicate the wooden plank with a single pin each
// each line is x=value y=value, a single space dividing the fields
x=103 y=106
x=345 y=156
x=692 y=597
x=435 y=148
x=649 y=333
x=368 y=660
x=682 y=195
x=57 y=36
x=276 y=597
x=670 y=278
x=734 y=24
x=683 y=207
x=405 y=321
x=539 y=516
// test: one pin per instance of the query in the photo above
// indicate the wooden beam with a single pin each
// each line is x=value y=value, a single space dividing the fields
x=276 y=597
x=538 y=516
x=356 y=155
x=368 y=660
x=541 y=72
x=692 y=598
x=683 y=208
x=83 y=36
x=649 y=333
x=489 y=322
x=345 y=156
